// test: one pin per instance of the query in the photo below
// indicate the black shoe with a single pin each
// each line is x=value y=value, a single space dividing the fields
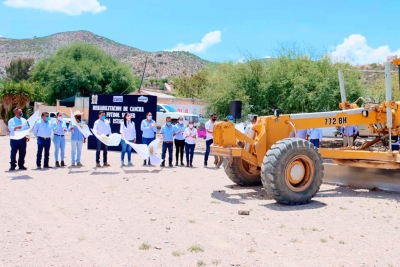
x=191 y=165
x=63 y=164
x=47 y=167
x=187 y=164
x=170 y=165
x=144 y=162
x=22 y=168
x=57 y=164
x=11 y=169
x=205 y=165
x=181 y=164
x=162 y=165
x=38 y=167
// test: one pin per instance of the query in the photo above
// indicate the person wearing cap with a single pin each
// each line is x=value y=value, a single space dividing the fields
x=59 y=129
x=179 y=140
x=230 y=118
x=102 y=126
x=77 y=139
x=209 y=138
x=42 y=131
x=18 y=123
x=253 y=121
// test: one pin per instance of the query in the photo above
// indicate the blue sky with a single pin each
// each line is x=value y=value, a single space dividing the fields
x=357 y=31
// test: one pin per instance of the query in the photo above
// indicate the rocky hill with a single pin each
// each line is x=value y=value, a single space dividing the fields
x=160 y=64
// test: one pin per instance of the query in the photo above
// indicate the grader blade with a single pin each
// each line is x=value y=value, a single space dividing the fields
x=364 y=178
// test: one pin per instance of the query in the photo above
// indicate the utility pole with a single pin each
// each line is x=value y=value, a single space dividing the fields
x=397 y=63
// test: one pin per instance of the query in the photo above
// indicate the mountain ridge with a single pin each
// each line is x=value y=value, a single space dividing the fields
x=160 y=64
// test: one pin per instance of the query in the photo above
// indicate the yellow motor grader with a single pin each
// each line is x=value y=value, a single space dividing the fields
x=292 y=169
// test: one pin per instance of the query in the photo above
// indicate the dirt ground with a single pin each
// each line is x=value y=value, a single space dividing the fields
x=148 y=216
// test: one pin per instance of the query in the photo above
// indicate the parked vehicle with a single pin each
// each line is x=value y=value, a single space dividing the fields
x=164 y=111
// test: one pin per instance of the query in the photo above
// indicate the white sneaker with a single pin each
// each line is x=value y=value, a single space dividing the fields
x=122 y=163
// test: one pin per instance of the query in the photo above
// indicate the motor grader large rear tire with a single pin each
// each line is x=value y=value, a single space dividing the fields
x=239 y=172
x=292 y=171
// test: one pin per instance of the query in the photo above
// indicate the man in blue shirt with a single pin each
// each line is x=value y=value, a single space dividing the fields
x=315 y=136
x=77 y=140
x=168 y=133
x=348 y=133
x=179 y=140
x=18 y=123
x=149 y=129
x=42 y=131
x=59 y=128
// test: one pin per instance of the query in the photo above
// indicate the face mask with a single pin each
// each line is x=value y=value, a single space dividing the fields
x=47 y=118
x=231 y=120
x=103 y=117
x=60 y=118
x=21 y=114
x=190 y=126
x=169 y=123
x=180 y=122
x=149 y=117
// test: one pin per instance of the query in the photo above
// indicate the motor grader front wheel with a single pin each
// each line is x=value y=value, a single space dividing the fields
x=242 y=173
x=292 y=171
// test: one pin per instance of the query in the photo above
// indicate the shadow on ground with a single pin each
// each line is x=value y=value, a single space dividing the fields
x=256 y=193
x=21 y=177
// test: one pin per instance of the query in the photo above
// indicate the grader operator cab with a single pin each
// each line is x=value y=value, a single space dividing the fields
x=292 y=169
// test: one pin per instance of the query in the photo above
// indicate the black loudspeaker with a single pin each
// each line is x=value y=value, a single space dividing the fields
x=236 y=109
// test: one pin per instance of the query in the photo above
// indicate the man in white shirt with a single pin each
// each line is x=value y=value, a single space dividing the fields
x=102 y=126
x=209 y=138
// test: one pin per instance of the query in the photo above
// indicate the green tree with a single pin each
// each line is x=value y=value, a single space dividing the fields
x=84 y=69
x=15 y=94
x=19 y=69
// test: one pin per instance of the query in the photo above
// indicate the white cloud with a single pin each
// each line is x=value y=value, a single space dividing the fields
x=355 y=50
x=70 y=7
x=208 y=40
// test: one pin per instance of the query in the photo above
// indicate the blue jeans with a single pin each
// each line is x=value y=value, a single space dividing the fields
x=147 y=141
x=126 y=149
x=43 y=144
x=59 y=144
x=315 y=142
x=76 y=148
x=166 y=146
x=18 y=146
x=208 y=144
x=189 y=152
x=101 y=146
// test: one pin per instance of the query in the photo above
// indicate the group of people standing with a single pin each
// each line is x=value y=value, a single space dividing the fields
x=314 y=135
x=43 y=130
x=183 y=136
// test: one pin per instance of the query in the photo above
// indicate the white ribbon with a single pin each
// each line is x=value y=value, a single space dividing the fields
x=19 y=134
x=112 y=140
x=146 y=152
x=83 y=128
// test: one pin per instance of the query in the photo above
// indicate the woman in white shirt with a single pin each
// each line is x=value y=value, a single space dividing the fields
x=190 y=135
x=128 y=133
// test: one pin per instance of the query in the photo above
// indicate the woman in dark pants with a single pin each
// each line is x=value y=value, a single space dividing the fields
x=190 y=135
x=179 y=140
